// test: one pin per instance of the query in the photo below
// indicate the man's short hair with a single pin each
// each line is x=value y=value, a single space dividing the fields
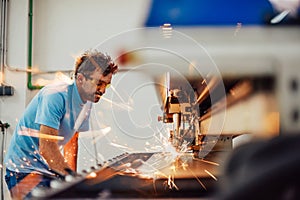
x=90 y=60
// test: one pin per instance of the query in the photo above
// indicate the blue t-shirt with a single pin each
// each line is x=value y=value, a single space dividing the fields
x=57 y=105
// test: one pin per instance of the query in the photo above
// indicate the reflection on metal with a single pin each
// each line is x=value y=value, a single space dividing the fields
x=186 y=168
x=212 y=83
x=236 y=93
x=140 y=175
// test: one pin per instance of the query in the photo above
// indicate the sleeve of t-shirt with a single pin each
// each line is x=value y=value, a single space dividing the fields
x=50 y=109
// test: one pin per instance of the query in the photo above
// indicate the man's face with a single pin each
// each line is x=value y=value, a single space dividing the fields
x=94 y=86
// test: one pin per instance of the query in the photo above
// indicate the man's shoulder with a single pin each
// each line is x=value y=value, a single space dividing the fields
x=58 y=87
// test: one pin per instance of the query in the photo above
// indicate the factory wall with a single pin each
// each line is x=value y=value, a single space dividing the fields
x=61 y=31
x=11 y=107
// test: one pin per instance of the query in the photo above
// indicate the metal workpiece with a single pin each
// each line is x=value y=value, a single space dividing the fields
x=142 y=175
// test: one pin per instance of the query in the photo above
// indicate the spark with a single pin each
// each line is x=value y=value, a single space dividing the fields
x=118 y=145
x=92 y=175
x=184 y=146
x=171 y=182
x=153 y=165
x=184 y=166
x=167 y=146
x=117 y=93
x=151 y=168
x=36 y=133
x=97 y=134
x=199 y=181
x=51 y=137
x=210 y=174
x=120 y=105
x=206 y=161
x=173 y=168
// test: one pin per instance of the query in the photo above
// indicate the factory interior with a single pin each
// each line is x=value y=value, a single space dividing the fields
x=205 y=103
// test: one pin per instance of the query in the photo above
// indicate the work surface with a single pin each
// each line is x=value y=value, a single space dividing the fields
x=141 y=175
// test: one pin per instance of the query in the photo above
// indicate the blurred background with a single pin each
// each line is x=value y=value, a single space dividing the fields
x=232 y=65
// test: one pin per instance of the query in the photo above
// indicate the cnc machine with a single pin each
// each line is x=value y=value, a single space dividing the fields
x=251 y=96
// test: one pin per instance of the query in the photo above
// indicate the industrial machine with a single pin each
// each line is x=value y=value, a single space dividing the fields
x=214 y=103
x=137 y=175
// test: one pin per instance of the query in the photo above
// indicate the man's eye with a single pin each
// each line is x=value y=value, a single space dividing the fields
x=101 y=83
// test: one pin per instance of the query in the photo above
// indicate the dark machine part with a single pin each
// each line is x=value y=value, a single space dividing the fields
x=262 y=170
x=194 y=175
x=189 y=179
x=264 y=83
x=237 y=89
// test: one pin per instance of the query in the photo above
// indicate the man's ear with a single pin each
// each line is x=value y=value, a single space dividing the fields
x=80 y=78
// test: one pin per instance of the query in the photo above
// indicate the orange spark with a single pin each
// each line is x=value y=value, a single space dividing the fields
x=206 y=161
x=91 y=175
x=210 y=174
x=36 y=133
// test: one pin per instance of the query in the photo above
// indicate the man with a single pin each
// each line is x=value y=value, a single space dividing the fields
x=51 y=123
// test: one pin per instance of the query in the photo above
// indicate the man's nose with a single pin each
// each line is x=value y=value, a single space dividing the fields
x=102 y=89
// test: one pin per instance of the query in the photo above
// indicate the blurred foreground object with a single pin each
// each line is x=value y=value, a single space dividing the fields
x=263 y=170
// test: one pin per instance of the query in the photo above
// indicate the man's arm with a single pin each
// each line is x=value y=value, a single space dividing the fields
x=70 y=152
x=49 y=149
